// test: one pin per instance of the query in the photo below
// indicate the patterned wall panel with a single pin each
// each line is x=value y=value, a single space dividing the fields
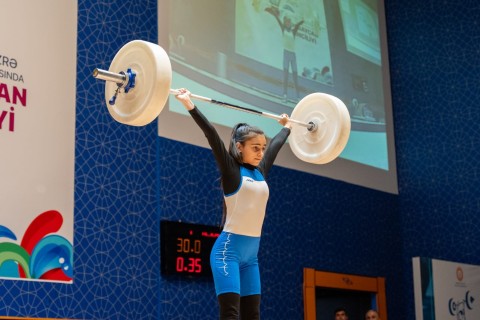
x=435 y=67
x=116 y=235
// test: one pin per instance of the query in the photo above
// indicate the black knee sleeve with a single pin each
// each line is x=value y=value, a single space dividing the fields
x=229 y=304
x=250 y=307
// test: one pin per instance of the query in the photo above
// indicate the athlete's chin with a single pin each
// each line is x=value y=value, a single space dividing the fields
x=254 y=163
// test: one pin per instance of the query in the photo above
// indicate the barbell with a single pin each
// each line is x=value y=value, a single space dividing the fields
x=137 y=87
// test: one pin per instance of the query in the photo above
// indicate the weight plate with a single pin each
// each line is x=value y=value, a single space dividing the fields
x=143 y=103
x=327 y=141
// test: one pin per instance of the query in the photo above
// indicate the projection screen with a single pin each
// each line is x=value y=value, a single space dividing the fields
x=246 y=53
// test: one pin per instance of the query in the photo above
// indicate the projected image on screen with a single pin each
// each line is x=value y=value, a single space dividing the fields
x=360 y=25
x=269 y=54
x=286 y=37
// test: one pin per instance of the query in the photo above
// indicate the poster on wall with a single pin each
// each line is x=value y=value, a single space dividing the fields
x=446 y=290
x=38 y=46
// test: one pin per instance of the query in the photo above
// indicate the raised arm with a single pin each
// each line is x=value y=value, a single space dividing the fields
x=276 y=13
x=296 y=27
x=223 y=159
x=275 y=145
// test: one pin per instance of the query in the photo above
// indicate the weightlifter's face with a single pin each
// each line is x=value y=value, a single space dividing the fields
x=253 y=149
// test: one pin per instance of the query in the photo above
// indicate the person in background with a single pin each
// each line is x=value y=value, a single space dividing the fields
x=289 y=33
x=372 y=315
x=243 y=169
x=341 y=314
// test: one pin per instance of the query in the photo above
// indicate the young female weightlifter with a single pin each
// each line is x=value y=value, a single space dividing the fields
x=243 y=169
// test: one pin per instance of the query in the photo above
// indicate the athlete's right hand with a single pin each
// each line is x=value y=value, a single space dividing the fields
x=184 y=97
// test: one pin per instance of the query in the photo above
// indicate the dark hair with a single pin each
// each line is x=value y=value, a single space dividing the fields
x=340 y=309
x=241 y=132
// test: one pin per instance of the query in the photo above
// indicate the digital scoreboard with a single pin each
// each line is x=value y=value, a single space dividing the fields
x=185 y=248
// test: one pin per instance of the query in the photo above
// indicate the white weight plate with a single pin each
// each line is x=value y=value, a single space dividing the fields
x=332 y=119
x=143 y=103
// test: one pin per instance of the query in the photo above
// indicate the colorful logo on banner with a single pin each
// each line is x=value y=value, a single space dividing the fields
x=41 y=254
x=458 y=306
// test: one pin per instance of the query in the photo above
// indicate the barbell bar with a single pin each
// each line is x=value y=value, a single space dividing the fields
x=137 y=86
x=124 y=80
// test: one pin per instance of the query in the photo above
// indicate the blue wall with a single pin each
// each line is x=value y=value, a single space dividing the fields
x=311 y=221
x=435 y=68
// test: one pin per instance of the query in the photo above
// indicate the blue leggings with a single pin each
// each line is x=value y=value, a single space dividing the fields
x=234 y=264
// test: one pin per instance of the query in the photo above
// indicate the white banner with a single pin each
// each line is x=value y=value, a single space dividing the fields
x=446 y=290
x=38 y=47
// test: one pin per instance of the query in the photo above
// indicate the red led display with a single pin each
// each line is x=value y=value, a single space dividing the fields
x=186 y=247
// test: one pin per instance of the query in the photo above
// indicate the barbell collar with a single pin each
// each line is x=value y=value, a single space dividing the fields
x=119 y=78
